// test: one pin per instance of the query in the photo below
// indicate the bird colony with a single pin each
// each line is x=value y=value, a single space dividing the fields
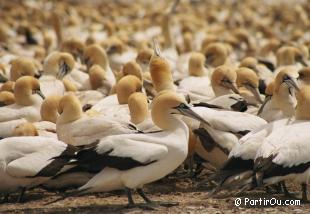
x=114 y=95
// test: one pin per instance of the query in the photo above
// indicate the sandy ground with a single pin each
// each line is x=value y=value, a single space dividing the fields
x=191 y=199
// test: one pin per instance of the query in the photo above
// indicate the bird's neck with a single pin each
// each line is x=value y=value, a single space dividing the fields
x=285 y=100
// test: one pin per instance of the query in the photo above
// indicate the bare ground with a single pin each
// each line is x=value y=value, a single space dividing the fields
x=184 y=191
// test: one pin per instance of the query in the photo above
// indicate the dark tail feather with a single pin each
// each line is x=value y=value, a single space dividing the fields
x=234 y=181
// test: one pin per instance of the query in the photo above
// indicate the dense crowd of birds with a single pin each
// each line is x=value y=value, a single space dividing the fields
x=118 y=94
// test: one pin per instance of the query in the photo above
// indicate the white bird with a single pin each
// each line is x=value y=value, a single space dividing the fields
x=75 y=128
x=198 y=81
x=238 y=170
x=222 y=133
x=27 y=107
x=95 y=54
x=55 y=67
x=233 y=102
x=24 y=158
x=284 y=154
x=130 y=161
x=282 y=102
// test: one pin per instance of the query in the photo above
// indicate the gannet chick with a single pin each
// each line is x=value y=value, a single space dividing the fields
x=248 y=82
x=283 y=154
x=22 y=67
x=6 y=98
x=94 y=54
x=154 y=155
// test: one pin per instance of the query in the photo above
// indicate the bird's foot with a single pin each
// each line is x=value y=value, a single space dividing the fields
x=189 y=174
x=5 y=199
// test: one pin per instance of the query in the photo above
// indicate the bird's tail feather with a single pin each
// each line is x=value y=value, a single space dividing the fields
x=241 y=180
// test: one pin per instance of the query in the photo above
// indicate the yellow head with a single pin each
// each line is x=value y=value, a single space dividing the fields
x=114 y=45
x=25 y=129
x=162 y=108
x=144 y=56
x=6 y=98
x=22 y=67
x=138 y=107
x=8 y=86
x=288 y=56
x=49 y=109
x=196 y=64
x=132 y=68
x=25 y=89
x=95 y=54
x=73 y=46
x=286 y=78
x=58 y=64
x=216 y=54
x=96 y=76
x=223 y=80
x=160 y=71
x=249 y=62
x=304 y=75
x=248 y=79
x=69 y=109
x=126 y=86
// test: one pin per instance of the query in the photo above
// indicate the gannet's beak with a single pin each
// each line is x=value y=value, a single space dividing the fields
x=208 y=61
x=156 y=48
x=186 y=110
x=291 y=83
x=231 y=85
x=261 y=108
x=256 y=93
x=39 y=92
x=303 y=62
x=63 y=71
